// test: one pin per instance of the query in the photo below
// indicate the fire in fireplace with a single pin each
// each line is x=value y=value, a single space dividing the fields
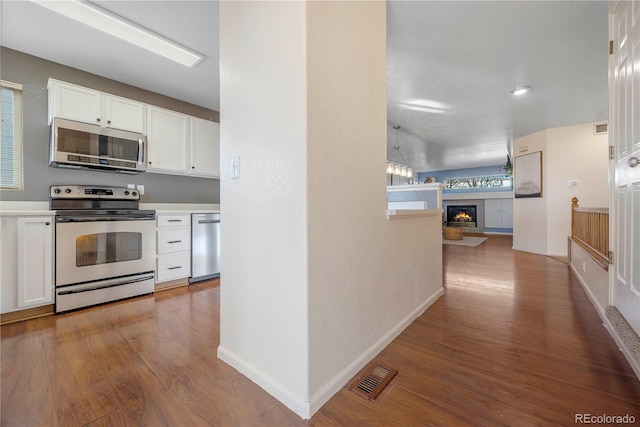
x=462 y=215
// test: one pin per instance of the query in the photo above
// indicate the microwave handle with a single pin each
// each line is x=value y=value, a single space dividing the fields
x=141 y=151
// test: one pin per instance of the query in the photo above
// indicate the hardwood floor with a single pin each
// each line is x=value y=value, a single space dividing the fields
x=513 y=342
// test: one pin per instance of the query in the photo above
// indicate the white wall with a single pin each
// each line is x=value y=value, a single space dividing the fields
x=530 y=214
x=263 y=311
x=574 y=153
x=357 y=259
x=306 y=257
x=570 y=153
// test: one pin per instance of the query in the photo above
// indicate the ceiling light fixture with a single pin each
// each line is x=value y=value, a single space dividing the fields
x=397 y=168
x=520 y=90
x=103 y=20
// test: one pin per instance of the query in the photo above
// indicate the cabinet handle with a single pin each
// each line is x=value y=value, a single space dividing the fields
x=193 y=167
x=108 y=122
x=174 y=241
x=149 y=161
x=174 y=220
x=174 y=268
x=47 y=223
x=98 y=119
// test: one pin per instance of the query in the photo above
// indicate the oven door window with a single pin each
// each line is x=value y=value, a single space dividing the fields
x=105 y=248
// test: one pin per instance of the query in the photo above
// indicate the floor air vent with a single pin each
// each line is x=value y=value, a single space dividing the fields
x=371 y=384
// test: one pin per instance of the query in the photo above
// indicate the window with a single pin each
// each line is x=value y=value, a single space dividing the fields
x=11 y=136
x=477 y=182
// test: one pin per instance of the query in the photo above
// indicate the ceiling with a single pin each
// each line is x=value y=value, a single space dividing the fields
x=451 y=66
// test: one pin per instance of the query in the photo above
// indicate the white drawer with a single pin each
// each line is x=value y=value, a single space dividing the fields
x=173 y=240
x=177 y=220
x=171 y=267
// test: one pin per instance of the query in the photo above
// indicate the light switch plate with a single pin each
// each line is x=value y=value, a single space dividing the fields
x=141 y=189
x=235 y=168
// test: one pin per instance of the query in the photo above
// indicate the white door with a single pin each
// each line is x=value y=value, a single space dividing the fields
x=624 y=89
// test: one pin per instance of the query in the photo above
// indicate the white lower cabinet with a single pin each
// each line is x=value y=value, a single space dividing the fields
x=498 y=213
x=27 y=262
x=173 y=250
x=172 y=267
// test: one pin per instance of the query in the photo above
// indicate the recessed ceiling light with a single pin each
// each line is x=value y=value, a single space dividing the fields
x=103 y=20
x=520 y=90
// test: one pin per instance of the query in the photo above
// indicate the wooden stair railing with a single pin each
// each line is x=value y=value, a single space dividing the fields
x=590 y=230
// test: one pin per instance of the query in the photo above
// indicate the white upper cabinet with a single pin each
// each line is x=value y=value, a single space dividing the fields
x=205 y=148
x=73 y=102
x=125 y=114
x=167 y=141
x=86 y=105
x=177 y=143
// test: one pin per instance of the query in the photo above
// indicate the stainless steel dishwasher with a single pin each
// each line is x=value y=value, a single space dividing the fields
x=205 y=246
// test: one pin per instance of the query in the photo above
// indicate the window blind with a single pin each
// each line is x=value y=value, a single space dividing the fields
x=11 y=136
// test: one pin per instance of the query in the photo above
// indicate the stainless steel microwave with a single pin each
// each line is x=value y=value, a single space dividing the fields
x=85 y=146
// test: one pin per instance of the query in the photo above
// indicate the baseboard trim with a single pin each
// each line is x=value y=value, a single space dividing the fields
x=531 y=251
x=29 y=313
x=274 y=388
x=336 y=383
x=306 y=408
x=592 y=298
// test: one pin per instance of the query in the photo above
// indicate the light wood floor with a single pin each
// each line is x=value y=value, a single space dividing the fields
x=513 y=342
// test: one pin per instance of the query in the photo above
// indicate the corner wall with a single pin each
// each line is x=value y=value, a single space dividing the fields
x=263 y=296
x=570 y=153
x=306 y=253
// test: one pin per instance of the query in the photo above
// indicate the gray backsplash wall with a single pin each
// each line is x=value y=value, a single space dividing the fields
x=33 y=73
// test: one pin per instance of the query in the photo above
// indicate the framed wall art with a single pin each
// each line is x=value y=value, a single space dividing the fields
x=527 y=180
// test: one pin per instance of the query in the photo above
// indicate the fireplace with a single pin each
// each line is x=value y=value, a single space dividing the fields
x=462 y=215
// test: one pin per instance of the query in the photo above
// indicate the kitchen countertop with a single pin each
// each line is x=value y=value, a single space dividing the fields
x=11 y=208
x=8 y=208
x=178 y=208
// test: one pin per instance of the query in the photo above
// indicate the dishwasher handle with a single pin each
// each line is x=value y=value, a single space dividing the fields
x=208 y=221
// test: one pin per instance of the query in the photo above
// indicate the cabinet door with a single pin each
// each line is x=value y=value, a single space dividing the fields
x=493 y=213
x=173 y=240
x=167 y=141
x=35 y=261
x=73 y=102
x=205 y=148
x=172 y=267
x=507 y=213
x=125 y=114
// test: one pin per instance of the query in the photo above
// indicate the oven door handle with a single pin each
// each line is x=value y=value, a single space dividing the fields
x=104 y=218
x=112 y=285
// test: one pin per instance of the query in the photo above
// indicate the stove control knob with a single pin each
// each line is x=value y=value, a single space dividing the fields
x=126 y=192
x=67 y=190
x=134 y=193
x=56 y=190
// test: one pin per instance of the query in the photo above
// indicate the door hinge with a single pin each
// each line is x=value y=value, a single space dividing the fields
x=611 y=257
x=612 y=151
x=610 y=47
